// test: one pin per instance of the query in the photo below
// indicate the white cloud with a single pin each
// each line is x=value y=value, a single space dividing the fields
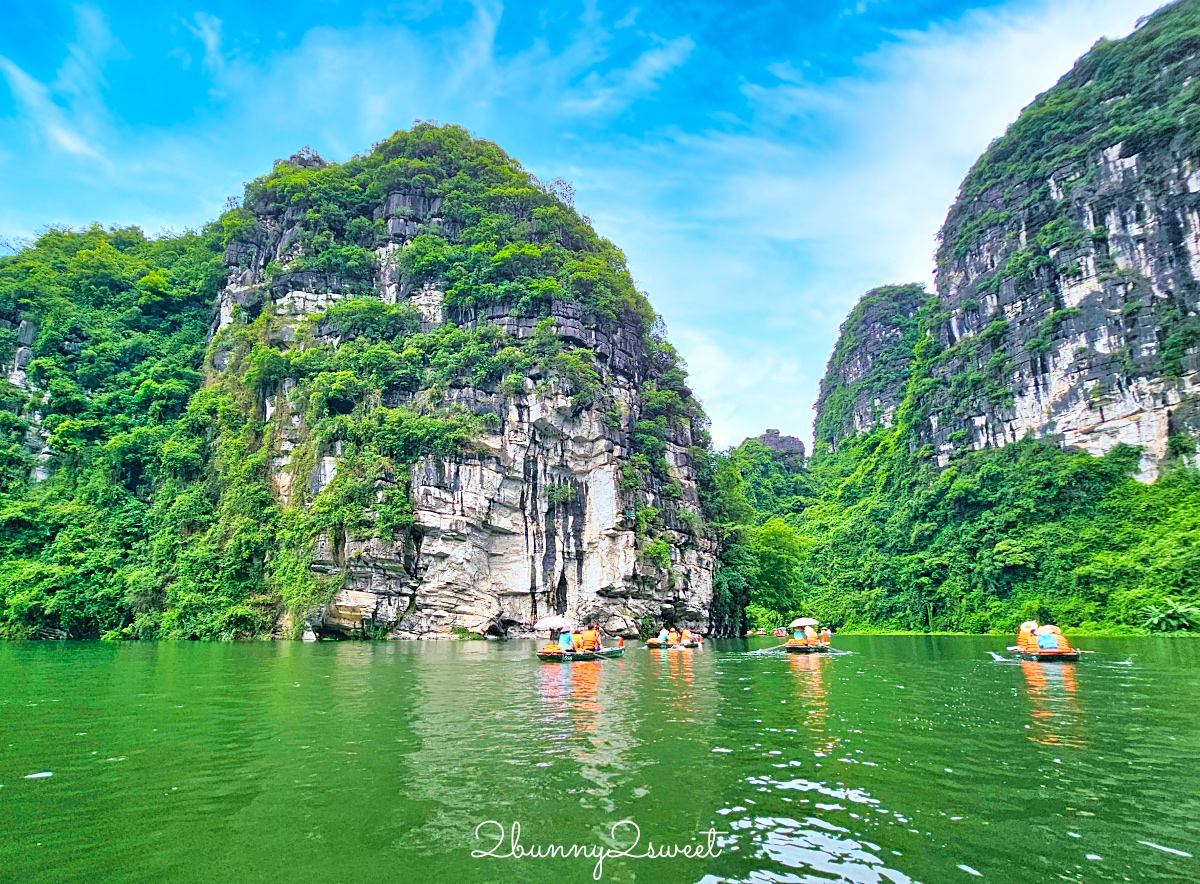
x=66 y=113
x=207 y=29
x=46 y=117
x=618 y=89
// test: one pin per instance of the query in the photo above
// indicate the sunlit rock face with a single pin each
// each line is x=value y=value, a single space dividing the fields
x=1077 y=345
x=1068 y=306
x=1068 y=267
x=536 y=521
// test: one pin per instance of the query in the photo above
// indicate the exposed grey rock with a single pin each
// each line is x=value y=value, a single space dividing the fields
x=535 y=522
x=27 y=333
x=791 y=447
x=1083 y=335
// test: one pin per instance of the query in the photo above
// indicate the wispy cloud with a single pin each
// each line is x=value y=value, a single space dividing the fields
x=47 y=118
x=67 y=113
x=207 y=29
x=617 y=89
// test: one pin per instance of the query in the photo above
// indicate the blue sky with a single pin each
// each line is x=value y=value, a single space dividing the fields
x=761 y=164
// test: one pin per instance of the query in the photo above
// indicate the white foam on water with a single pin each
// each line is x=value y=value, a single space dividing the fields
x=970 y=871
x=41 y=775
x=1171 y=850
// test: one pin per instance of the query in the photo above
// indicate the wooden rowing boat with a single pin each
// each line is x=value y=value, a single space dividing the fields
x=551 y=654
x=803 y=647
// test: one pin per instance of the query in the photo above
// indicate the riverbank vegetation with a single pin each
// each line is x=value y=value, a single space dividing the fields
x=870 y=537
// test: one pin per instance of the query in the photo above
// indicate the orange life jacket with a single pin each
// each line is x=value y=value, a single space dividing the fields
x=672 y=637
x=591 y=640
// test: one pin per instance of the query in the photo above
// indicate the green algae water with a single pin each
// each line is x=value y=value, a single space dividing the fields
x=909 y=759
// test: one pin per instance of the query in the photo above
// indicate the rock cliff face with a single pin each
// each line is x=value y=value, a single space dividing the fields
x=1067 y=284
x=864 y=382
x=1068 y=271
x=790 y=449
x=549 y=511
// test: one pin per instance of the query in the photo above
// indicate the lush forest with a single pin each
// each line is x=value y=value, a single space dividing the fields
x=872 y=533
x=871 y=536
x=136 y=496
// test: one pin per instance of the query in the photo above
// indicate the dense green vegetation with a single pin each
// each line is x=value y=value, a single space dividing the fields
x=158 y=515
x=502 y=238
x=879 y=539
x=139 y=497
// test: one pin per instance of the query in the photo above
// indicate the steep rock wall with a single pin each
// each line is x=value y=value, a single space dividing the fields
x=864 y=381
x=540 y=517
x=1068 y=271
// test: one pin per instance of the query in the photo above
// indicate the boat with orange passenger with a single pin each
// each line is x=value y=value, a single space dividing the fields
x=675 y=640
x=555 y=654
x=806 y=639
x=1044 y=643
x=570 y=646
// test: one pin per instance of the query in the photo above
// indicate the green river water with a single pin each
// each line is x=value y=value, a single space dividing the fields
x=910 y=759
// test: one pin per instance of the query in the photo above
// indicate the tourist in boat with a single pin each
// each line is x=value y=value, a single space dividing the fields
x=810 y=635
x=672 y=637
x=590 y=640
x=566 y=641
x=686 y=636
x=663 y=635
x=826 y=635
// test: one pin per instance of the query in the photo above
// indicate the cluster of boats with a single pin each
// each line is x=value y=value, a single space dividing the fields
x=1034 y=642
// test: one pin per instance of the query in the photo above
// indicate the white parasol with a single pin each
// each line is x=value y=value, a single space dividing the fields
x=553 y=623
x=804 y=621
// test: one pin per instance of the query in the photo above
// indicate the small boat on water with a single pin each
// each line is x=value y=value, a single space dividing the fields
x=780 y=632
x=555 y=654
x=570 y=648
x=808 y=641
x=801 y=646
x=1044 y=643
x=672 y=639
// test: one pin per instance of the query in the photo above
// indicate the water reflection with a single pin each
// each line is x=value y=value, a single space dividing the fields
x=1051 y=688
x=678 y=667
x=583 y=719
x=816 y=849
x=810 y=690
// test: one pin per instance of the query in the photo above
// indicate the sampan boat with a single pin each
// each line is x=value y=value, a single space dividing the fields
x=800 y=646
x=555 y=654
x=811 y=643
x=655 y=644
x=1044 y=644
